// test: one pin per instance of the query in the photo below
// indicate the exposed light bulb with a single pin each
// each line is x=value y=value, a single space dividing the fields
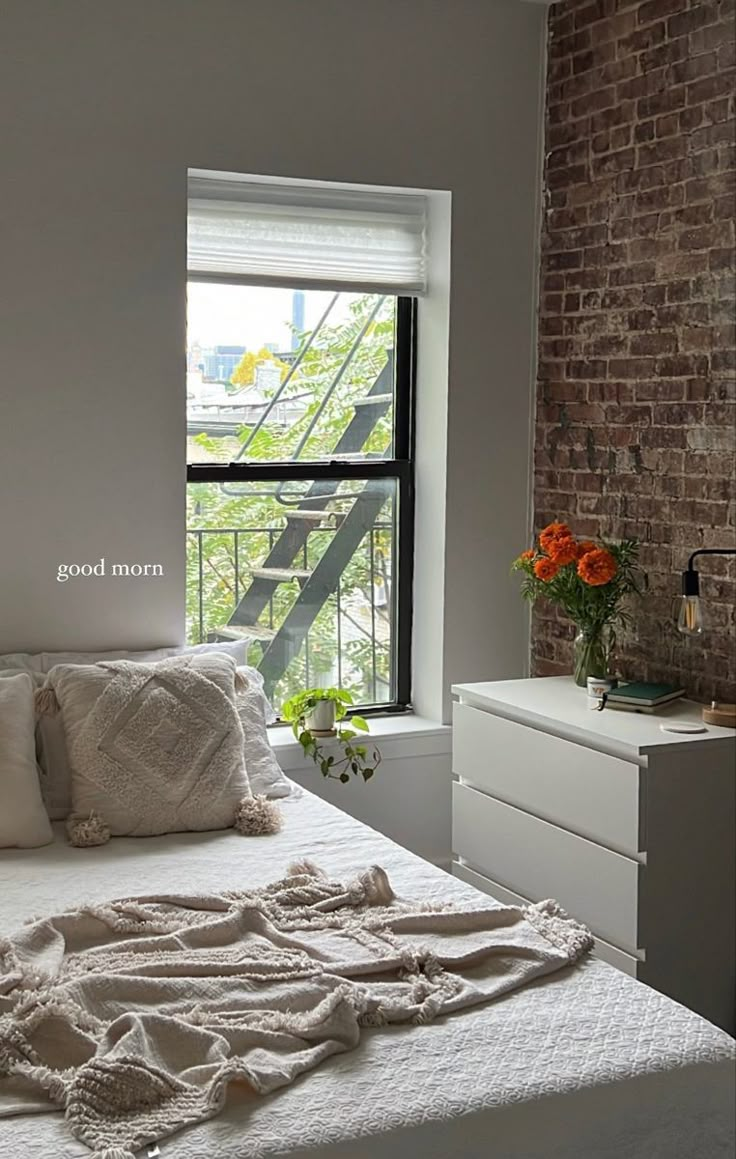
x=690 y=617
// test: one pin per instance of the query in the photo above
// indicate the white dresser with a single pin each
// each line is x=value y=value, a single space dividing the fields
x=630 y=828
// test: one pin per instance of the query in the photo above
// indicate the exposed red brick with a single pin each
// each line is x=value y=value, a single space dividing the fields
x=656 y=343
x=694 y=67
x=666 y=53
x=710 y=87
x=711 y=37
x=721 y=259
x=706 y=238
x=636 y=413
x=692 y=15
x=662 y=150
x=655 y=9
x=699 y=214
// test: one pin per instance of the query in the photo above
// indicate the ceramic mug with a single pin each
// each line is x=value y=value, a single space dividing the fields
x=598 y=689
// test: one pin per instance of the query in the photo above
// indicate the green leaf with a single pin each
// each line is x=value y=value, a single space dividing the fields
x=368 y=773
x=360 y=723
x=344 y=777
x=345 y=697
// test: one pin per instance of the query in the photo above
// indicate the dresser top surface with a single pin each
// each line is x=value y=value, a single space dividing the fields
x=557 y=704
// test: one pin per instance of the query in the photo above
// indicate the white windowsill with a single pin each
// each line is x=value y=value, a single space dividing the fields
x=398 y=734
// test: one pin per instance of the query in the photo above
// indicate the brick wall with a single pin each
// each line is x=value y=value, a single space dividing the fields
x=635 y=394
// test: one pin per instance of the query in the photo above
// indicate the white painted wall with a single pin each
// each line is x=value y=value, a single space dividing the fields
x=103 y=107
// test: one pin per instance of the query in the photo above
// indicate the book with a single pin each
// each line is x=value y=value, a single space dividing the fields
x=642 y=695
x=650 y=709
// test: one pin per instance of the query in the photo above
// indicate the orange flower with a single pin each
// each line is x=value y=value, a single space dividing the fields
x=563 y=550
x=597 y=567
x=527 y=554
x=585 y=546
x=552 y=532
x=546 y=569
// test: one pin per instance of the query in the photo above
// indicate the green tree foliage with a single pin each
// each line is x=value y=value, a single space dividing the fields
x=219 y=561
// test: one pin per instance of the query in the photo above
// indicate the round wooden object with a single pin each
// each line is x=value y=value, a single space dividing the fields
x=323 y=731
x=721 y=714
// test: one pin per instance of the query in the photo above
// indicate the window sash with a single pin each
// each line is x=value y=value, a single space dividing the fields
x=401 y=468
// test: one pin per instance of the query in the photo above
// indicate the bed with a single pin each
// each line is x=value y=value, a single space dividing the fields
x=585 y=1064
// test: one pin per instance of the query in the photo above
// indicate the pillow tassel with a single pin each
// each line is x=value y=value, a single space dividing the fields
x=256 y=816
x=45 y=702
x=84 y=832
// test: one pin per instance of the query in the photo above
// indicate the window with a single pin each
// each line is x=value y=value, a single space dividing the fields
x=300 y=440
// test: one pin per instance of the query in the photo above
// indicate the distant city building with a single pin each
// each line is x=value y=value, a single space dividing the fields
x=220 y=362
x=297 y=316
x=194 y=359
x=214 y=363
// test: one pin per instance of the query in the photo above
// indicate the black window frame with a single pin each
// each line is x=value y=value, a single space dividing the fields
x=400 y=468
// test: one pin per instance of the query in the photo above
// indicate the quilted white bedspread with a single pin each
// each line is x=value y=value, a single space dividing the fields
x=587 y=1064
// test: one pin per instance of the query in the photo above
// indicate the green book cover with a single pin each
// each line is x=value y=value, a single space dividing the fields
x=645 y=693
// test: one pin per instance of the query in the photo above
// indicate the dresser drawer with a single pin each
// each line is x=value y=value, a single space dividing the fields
x=591 y=793
x=628 y=963
x=535 y=859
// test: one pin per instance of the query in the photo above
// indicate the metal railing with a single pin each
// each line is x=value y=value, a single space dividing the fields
x=335 y=381
x=289 y=375
x=371 y=623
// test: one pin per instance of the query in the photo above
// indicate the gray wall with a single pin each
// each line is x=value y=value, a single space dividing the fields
x=104 y=105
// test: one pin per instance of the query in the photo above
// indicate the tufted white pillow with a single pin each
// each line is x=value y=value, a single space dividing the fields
x=153 y=748
x=23 y=820
x=53 y=759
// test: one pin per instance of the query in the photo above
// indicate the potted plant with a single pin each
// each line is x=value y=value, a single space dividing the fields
x=316 y=715
x=589 y=581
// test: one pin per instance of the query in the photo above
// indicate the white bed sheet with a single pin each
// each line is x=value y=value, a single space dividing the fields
x=587 y=1064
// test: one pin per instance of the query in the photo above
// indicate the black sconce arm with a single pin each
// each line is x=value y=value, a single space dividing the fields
x=691 y=578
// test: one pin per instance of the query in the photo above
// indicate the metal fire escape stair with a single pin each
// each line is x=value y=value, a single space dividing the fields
x=285 y=562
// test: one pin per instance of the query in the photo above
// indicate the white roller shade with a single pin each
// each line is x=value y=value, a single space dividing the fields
x=324 y=237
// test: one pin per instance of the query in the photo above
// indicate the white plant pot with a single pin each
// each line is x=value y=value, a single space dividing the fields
x=321 y=720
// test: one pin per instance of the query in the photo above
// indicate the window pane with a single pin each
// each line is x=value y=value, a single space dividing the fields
x=305 y=573
x=277 y=374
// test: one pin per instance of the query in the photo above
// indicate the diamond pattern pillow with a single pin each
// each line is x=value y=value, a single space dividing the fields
x=154 y=748
x=53 y=759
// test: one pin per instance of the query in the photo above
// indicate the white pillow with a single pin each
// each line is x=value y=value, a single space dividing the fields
x=154 y=748
x=45 y=661
x=23 y=820
x=264 y=772
x=52 y=753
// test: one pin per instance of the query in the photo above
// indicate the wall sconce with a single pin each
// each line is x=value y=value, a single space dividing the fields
x=690 y=616
x=690 y=623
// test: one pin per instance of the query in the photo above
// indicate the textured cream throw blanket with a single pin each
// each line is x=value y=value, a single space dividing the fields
x=135 y=1015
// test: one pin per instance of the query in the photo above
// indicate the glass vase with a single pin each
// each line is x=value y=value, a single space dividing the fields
x=591 y=654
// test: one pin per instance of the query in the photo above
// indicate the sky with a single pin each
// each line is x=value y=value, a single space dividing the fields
x=247 y=316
